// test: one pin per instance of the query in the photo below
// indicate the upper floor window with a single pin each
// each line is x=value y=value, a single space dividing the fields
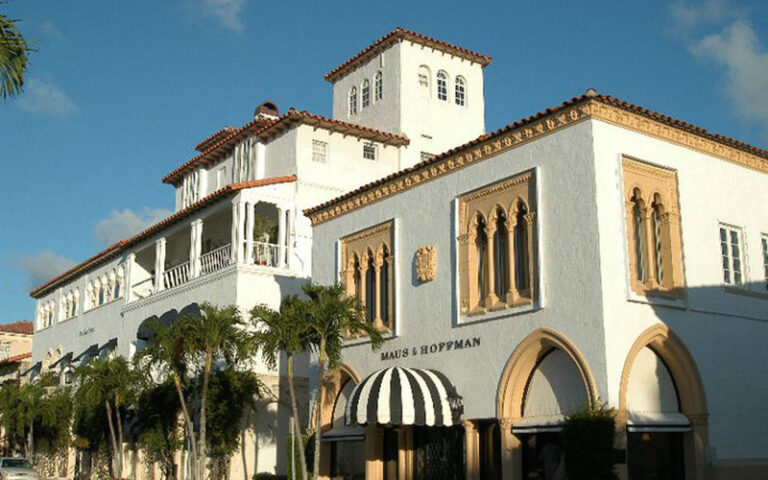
x=460 y=92
x=424 y=76
x=191 y=188
x=353 y=101
x=764 y=242
x=731 y=249
x=221 y=176
x=442 y=86
x=496 y=250
x=366 y=260
x=69 y=304
x=366 y=93
x=319 y=151
x=378 y=86
x=369 y=151
x=105 y=288
x=45 y=314
x=653 y=228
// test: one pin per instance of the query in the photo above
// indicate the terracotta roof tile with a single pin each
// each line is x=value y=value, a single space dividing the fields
x=396 y=35
x=23 y=327
x=590 y=95
x=203 y=146
x=268 y=128
x=17 y=358
x=118 y=247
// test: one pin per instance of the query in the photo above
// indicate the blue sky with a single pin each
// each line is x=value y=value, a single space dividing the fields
x=118 y=93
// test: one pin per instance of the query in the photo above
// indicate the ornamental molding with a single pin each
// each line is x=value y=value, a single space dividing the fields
x=426 y=263
x=528 y=131
x=384 y=227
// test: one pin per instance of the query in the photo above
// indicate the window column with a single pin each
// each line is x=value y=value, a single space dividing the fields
x=650 y=260
x=234 y=233
x=472 y=434
x=513 y=294
x=250 y=208
x=281 y=236
x=195 y=247
x=529 y=219
x=127 y=280
x=377 y=292
x=490 y=230
x=159 y=264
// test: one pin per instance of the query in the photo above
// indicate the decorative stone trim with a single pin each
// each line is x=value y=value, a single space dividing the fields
x=426 y=263
x=600 y=107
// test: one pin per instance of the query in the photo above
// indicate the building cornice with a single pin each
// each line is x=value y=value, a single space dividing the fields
x=590 y=105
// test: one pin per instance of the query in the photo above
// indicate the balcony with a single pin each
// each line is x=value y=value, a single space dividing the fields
x=249 y=233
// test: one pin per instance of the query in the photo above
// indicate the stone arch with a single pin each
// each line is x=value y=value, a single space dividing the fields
x=690 y=391
x=521 y=364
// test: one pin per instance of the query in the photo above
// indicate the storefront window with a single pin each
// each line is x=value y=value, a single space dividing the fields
x=543 y=456
x=440 y=453
x=348 y=460
x=655 y=455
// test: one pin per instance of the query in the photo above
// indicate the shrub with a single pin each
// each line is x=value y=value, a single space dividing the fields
x=305 y=439
x=269 y=476
x=588 y=443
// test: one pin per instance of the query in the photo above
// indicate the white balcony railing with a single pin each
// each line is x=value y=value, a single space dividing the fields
x=214 y=260
x=173 y=277
x=267 y=254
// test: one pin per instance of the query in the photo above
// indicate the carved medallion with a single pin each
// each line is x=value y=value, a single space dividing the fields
x=426 y=263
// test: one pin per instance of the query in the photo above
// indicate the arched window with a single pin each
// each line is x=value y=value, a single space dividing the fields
x=481 y=241
x=522 y=275
x=638 y=230
x=370 y=289
x=353 y=101
x=442 y=86
x=460 y=92
x=384 y=285
x=378 y=86
x=500 y=260
x=656 y=212
x=424 y=76
x=366 y=93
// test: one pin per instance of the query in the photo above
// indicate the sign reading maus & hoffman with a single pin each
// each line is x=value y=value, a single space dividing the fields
x=431 y=348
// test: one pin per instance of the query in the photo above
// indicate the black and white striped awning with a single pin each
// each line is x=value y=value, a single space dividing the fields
x=404 y=396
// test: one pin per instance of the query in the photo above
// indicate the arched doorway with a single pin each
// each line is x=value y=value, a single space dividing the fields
x=544 y=379
x=342 y=452
x=662 y=408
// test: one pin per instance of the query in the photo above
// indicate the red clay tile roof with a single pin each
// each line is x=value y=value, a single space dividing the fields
x=203 y=146
x=397 y=35
x=590 y=95
x=17 y=358
x=267 y=128
x=118 y=247
x=23 y=327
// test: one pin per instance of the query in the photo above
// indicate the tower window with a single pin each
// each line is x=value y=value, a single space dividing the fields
x=366 y=93
x=731 y=248
x=369 y=151
x=460 y=92
x=319 y=151
x=353 y=101
x=378 y=86
x=442 y=86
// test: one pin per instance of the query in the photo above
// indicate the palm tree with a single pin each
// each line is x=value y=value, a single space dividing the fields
x=217 y=334
x=333 y=315
x=111 y=382
x=165 y=355
x=13 y=58
x=285 y=331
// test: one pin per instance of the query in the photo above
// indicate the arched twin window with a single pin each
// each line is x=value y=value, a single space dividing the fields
x=353 y=101
x=481 y=244
x=500 y=254
x=658 y=259
x=638 y=229
x=370 y=289
x=442 y=86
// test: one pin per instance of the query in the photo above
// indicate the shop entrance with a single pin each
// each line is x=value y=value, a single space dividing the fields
x=440 y=453
x=655 y=455
x=543 y=456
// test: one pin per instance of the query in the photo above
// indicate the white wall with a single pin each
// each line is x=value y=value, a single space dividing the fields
x=726 y=333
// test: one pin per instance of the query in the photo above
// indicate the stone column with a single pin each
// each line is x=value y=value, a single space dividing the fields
x=377 y=292
x=492 y=299
x=405 y=453
x=196 y=248
x=289 y=235
x=250 y=208
x=511 y=453
x=159 y=264
x=529 y=219
x=127 y=280
x=374 y=453
x=650 y=246
x=512 y=293
x=473 y=450
x=281 y=236
x=234 y=233
x=241 y=232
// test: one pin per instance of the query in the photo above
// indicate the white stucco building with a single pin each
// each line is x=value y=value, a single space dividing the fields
x=596 y=251
x=237 y=236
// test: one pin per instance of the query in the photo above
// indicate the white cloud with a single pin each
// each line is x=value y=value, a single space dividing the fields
x=42 y=267
x=737 y=48
x=122 y=224
x=45 y=99
x=720 y=34
x=226 y=12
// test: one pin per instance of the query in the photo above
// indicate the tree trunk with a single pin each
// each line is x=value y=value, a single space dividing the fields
x=116 y=461
x=320 y=392
x=29 y=448
x=203 y=407
x=189 y=425
x=295 y=412
x=120 y=456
